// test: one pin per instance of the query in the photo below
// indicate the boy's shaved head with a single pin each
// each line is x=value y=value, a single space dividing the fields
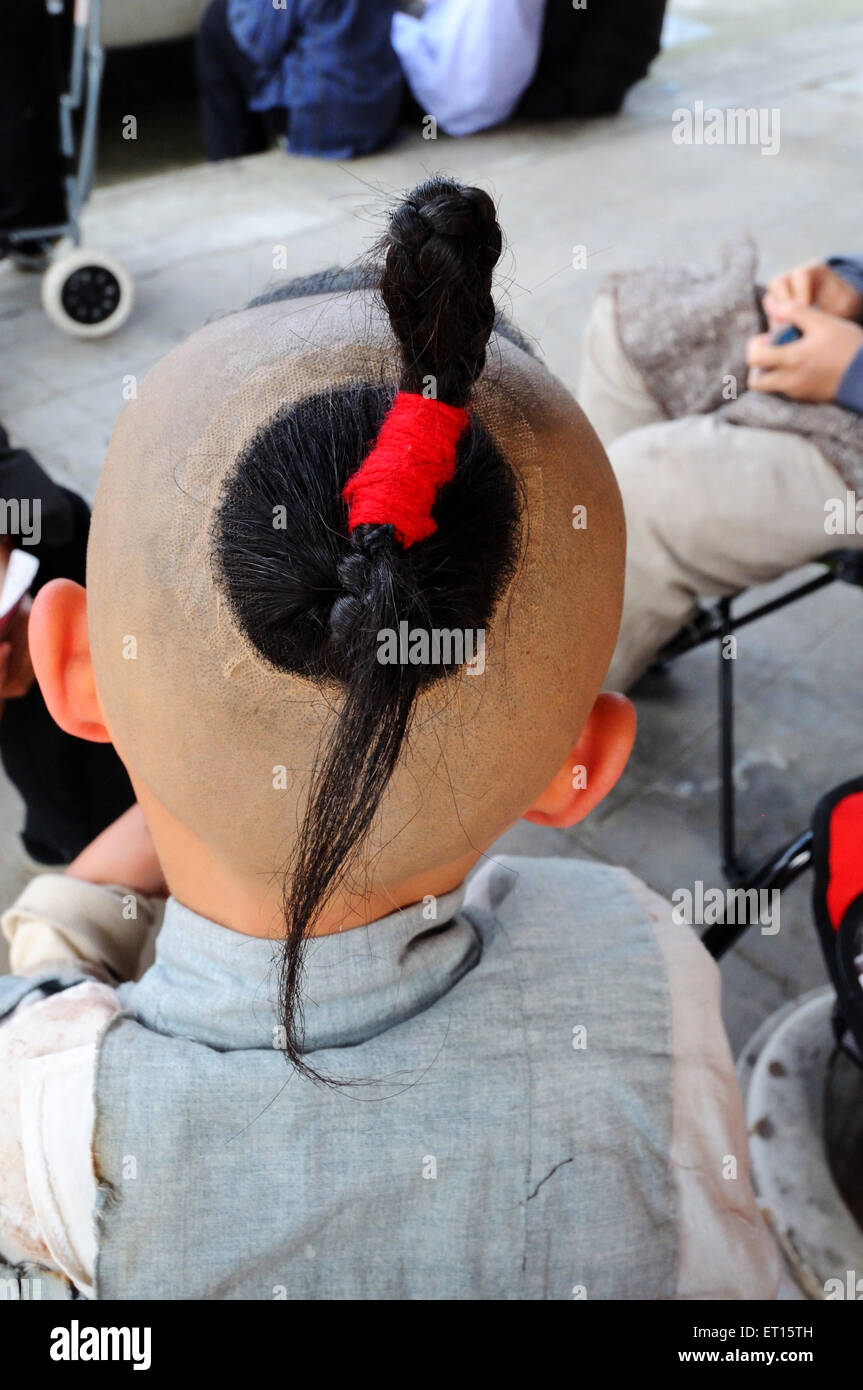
x=226 y=741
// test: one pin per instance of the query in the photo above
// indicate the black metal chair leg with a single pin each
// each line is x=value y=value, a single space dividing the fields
x=731 y=866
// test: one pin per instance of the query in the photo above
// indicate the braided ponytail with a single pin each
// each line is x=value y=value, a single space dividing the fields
x=442 y=247
x=359 y=557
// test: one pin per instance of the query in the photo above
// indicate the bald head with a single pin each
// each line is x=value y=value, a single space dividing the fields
x=223 y=739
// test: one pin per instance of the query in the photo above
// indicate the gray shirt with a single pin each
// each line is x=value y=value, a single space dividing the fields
x=534 y=1098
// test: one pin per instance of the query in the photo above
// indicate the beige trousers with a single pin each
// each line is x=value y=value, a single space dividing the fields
x=711 y=508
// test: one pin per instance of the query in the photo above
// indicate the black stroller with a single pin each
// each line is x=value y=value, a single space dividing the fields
x=50 y=78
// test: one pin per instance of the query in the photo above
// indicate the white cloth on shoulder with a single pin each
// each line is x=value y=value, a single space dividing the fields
x=467 y=62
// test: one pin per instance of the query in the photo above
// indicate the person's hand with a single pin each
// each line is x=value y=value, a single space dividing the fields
x=16 y=668
x=16 y=671
x=814 y=284
x=812 y=367
x=124 y=853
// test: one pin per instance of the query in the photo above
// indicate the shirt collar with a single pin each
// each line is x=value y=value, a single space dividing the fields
x=218 y=987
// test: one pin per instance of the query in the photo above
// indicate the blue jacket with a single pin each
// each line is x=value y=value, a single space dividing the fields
x=330 y=64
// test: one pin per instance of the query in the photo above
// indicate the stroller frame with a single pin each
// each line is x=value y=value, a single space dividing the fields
x=86 y=294
x=85 y=86
x=714 y=624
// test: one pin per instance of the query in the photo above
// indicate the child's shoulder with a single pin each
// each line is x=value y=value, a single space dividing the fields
x=579 y=908
x=555 y=885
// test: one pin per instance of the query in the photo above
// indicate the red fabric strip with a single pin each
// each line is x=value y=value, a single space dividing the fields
x=412 y=458
x=845 y=857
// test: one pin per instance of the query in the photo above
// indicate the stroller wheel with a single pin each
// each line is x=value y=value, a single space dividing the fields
x=87 y=293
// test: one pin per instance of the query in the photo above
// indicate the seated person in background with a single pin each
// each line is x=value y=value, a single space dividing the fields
x=476 y=63
x=733 y=454
x=32 y=191
x=324 y=77
x=350 y=681
x=71 y=788
x=590 y=56
x=467 y=62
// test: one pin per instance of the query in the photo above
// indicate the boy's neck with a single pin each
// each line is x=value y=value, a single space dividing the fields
x=255 y=907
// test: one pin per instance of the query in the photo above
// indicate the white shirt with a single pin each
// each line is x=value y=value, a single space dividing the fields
x=467 y=62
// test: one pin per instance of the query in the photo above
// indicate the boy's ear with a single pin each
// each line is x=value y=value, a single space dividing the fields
x=60 y=652
x=592 y=768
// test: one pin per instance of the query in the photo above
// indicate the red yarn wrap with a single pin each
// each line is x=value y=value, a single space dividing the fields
x=413 y=456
